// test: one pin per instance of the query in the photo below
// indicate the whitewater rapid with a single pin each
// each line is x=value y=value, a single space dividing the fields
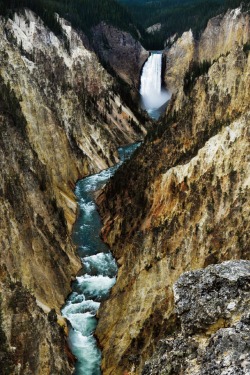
x=153 y=95
x=97 y=276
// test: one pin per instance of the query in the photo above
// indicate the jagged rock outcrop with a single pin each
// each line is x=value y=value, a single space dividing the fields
x=219 y=38
x=154 y=28
x=180 y=204
x=213 y=308
x=60 y=120
x=121 y=51
x=178 y=58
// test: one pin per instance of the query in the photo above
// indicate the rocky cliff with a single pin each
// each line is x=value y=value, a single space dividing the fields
x=219 y=38
x=121 y=51
x=179 y=205
x=60 y=120
x=213 y=337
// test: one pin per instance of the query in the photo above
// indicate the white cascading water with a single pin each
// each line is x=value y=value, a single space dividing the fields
x=152 y=93
x=97 y=276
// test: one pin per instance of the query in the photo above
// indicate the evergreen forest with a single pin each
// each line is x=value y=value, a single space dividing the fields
x=134 y=16
x=83 y=14
x=175 y=16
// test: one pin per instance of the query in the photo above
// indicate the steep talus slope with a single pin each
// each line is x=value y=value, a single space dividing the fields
x=213 y=308
x=121 y=51
x=180 y=204
x=59 y=120
x=220 y=37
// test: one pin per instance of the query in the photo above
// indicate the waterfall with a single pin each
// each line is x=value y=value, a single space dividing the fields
x=152 y=94
x=151 y=76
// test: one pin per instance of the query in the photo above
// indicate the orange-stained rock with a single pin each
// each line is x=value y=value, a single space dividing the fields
x=180 y=204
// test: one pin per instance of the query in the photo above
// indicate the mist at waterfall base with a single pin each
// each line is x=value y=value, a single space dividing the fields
x=153 y=96
x=97 y=276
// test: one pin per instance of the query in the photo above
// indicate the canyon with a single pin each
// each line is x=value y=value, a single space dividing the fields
x=175 y=216
x=61 y=119
x=182 y=203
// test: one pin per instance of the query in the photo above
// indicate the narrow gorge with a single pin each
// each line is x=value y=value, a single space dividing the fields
x=124 y=196
x=181 y=204
x=62 y=118
x=98 y=273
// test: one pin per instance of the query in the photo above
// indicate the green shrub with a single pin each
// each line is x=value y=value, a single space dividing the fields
x=196 y=70
x=246 y=48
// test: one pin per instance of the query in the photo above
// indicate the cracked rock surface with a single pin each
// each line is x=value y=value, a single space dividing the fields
x=214 y=336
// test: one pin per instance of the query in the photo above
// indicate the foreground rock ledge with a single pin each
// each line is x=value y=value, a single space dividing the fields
x=214 y=334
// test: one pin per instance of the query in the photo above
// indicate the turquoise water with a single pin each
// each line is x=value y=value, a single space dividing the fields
x=98 y=273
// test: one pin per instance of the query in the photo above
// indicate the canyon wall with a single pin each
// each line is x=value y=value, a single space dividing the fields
x=60 y=120
x=121 y=51
x=180 y=204
x=219 y=38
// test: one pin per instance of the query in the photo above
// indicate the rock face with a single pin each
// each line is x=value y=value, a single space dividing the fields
x=154 y=28
x=60 y=120
x=180 y=204
x=213 y=308
x=31 y=342
x=219 y=38
x=178 y=58
x=121 y=51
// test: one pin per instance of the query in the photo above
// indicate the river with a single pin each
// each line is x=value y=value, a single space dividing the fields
x=98 y=274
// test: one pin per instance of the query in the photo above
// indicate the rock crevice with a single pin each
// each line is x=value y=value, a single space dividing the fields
x=213 y=308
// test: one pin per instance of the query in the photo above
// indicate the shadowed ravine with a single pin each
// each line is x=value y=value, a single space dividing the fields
x=97 y=276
